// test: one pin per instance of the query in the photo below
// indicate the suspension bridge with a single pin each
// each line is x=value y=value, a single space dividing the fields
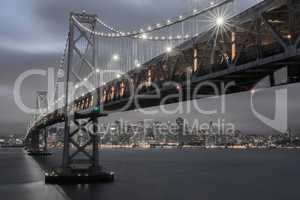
x=106 y=70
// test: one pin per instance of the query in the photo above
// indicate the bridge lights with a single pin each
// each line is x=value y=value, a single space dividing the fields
x=116 y=57
x=97 y=109
x=137 y=63
x=178 y=87
x=169 y=49
x=97 y=70
x=144 y=36
x=220 y=21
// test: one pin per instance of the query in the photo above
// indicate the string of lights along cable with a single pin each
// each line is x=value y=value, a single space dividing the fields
x=120 y=51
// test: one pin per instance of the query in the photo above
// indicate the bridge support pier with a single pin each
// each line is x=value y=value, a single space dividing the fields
x=180 y=136
x=81 y=159
x=38 y=143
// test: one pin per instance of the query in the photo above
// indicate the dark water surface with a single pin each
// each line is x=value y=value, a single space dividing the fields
x=162 y=174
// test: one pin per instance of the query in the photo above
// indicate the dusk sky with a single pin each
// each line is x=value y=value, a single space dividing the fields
x=33 y=33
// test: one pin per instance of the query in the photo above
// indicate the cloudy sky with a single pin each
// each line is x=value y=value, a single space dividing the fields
x=33 y=32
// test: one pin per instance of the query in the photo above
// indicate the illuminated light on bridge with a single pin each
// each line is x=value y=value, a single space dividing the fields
x=137 y=63
x=98 y=109
x=116 y=57
x=144 y=36
x=255 y=90
x=169 y=49
x=220 y=21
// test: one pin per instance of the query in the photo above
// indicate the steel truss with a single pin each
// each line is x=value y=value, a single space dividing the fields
x=192 y=53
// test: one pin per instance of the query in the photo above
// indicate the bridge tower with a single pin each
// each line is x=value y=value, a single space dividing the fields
x=38 y=140
x=80 y=161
